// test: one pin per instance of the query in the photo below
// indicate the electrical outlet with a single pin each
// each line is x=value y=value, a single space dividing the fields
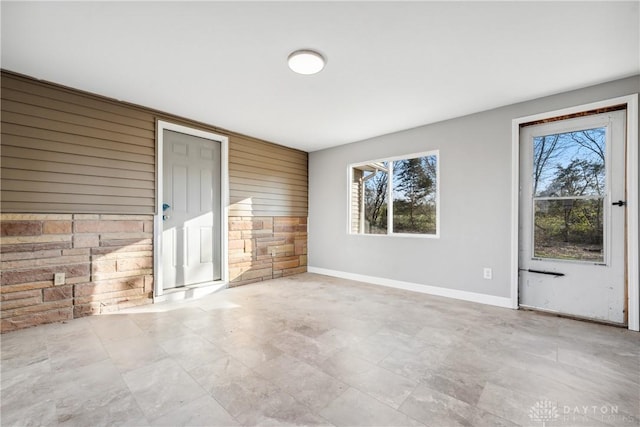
x=487 y=273
x=58 y=279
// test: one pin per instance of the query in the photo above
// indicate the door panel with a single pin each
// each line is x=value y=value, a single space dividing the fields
x=571 y=255
x=192 y=225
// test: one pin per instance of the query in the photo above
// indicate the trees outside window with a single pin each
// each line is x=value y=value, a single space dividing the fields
x=569 y=187
x=395 y=196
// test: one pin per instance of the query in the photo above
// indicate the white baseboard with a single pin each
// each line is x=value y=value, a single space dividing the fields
x=425 y=289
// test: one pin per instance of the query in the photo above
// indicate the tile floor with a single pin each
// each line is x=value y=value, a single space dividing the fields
x=315 y=350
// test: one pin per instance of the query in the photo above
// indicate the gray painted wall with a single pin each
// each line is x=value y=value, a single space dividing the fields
x=475 y=199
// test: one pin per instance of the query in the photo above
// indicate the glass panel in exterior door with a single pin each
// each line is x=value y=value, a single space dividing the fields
x=569 y=187
x=569 y=229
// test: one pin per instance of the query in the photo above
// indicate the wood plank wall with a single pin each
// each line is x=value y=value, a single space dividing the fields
x=67 y=151
x=266 y=180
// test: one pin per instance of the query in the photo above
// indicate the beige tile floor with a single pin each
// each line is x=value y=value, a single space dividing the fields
x=315 y=350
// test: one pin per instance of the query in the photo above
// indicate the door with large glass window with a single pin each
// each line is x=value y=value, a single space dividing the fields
x=572 y=217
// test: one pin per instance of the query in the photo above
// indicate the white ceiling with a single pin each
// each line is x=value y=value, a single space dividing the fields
x=391 y=65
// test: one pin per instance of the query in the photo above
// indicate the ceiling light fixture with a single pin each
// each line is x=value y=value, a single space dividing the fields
x=306 y=61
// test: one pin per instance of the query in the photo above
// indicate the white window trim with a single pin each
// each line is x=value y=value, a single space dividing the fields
x=158 y=290
x=632 y=248
x=390 y=232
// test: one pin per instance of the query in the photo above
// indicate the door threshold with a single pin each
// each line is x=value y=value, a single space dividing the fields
x=190 y=292
x=571 y=316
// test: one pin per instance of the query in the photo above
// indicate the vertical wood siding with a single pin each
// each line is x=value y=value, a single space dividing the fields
x=69 y=151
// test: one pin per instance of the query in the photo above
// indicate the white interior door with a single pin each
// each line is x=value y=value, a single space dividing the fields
x=572 y=228
x=191 y=236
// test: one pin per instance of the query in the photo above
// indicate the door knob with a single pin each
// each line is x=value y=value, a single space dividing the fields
x=619 y=203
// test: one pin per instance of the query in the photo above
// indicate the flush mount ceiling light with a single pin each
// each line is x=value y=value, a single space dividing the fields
x=306 y=61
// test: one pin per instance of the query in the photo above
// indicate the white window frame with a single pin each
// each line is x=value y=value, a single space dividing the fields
x=390 y=232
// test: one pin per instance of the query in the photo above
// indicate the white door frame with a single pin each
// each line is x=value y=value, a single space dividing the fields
x=161 y=126
x=632 y=249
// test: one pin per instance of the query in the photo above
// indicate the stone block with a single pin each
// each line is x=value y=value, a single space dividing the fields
x=77 y=251
x=108 y=226
x=83 y=310
x=38 y=308
x=148 y=284
x=235 y=235
x=279 y=250
x=27 y=263
x=110 y=297
x=114 y=251
x=26 y=286
x=106 y=286
x=86 y=240
x=56 y=227
x=236 y=258
x=269 y=239
x=20 y=228
x=128 y=264
x=236 y=244
x=121 y=274
x=248 y=224
x=292 y=271
x=286 y=264
x=257 y=273
x=128 y=237
x=249 y=234
x=300 y=247
x=33 y=293
x=244 y=282
x=43 y=273
x=16 y=256
x=236 y=273
x=6 y=248
x=57 y=293
x=286 y=238
x=280 y=221
x=75 y=280
x=46 y=239
x=284 y=228
x=107 y=266
x=19 y=303
x=34 y=319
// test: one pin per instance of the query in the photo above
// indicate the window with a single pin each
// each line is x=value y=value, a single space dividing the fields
x=395 y=196
x=569 y=187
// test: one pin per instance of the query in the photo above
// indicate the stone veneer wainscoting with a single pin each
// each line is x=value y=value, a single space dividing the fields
x=107 y=261
x=262 y=248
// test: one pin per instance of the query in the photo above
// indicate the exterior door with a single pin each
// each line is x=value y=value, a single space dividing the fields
x=191 y=236
x=572 y=217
